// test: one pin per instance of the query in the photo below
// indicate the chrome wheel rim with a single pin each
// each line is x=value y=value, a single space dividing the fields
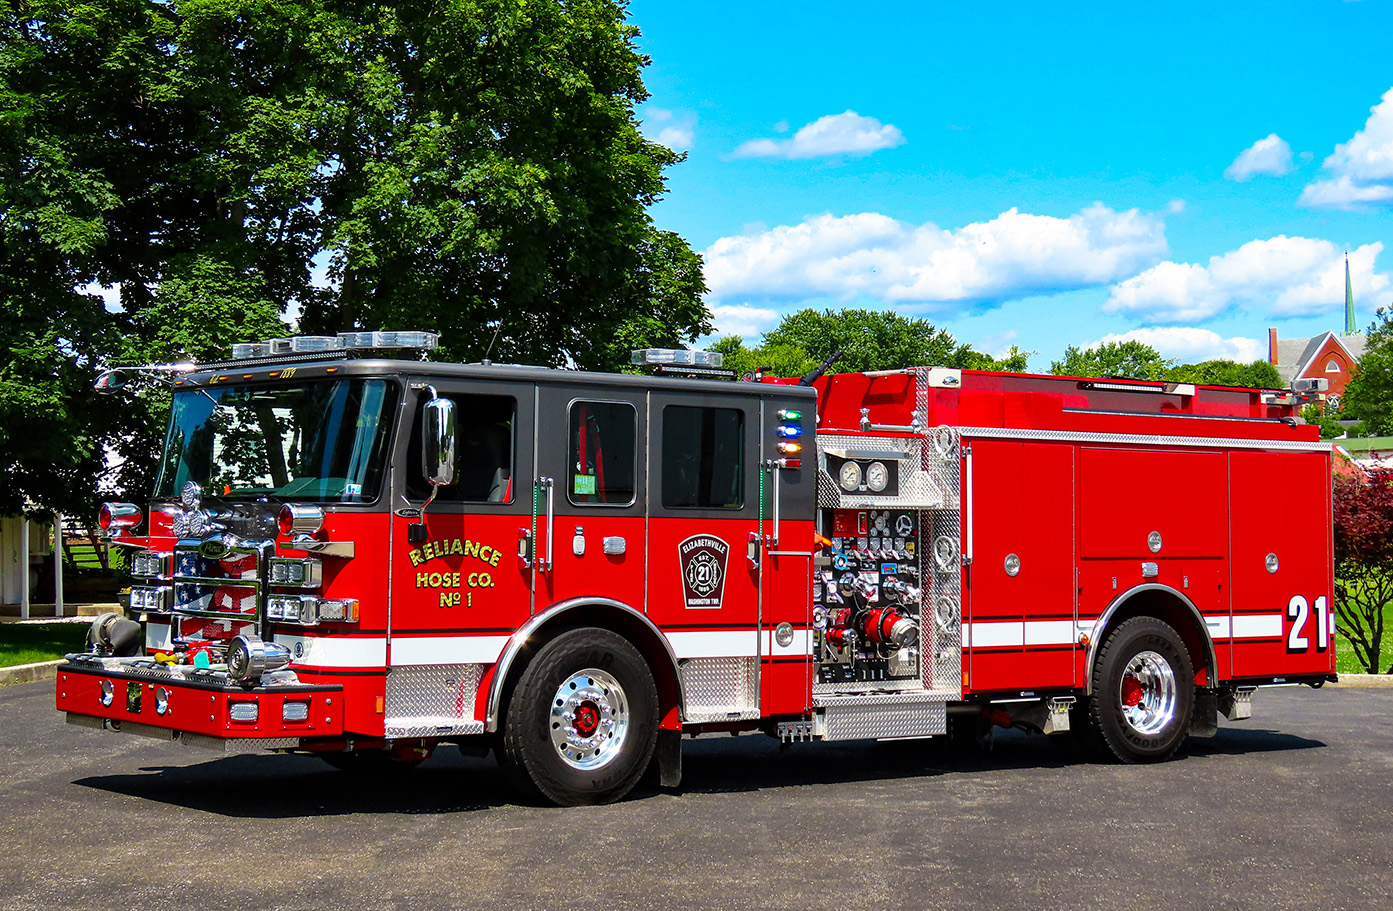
x=589 y=719
x=1147 y=693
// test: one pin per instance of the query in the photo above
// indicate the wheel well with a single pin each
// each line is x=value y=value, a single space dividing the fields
x=617 y=619
x=1171 y=607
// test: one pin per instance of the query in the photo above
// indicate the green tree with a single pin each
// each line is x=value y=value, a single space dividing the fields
x=1257 y=375
x=868 y=340
x=1369 y=395
x=469 y=166
x=1129 y=360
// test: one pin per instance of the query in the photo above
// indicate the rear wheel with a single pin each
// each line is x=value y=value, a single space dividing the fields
x=1143 y=692
x=583 y=720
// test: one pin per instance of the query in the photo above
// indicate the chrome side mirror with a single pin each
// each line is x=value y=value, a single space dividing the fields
x=438 y=441
x=112 y=381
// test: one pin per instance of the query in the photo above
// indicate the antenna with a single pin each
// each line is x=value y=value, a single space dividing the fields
x=486 y=362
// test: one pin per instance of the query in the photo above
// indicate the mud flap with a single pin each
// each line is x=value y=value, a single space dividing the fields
x=668 y=753
x=1204 y=719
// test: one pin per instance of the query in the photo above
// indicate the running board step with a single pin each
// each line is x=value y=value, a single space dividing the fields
x=872 y=716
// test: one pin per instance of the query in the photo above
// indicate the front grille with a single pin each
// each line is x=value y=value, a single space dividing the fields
x=218 y=598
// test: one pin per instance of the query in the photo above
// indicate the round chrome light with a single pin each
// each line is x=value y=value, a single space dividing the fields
x=877 y=476
x=161 y=701
x=1272 y=563
x=108 y=692
x=192 y=495
x=1013 y=564
x=298 y=519
x=1153 y=542
x=850 y=476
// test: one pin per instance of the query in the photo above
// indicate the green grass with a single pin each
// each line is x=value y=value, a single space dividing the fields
x=28 y=643
x=1345 y=661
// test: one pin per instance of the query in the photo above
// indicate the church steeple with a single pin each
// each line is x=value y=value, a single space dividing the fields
x=1350 y=327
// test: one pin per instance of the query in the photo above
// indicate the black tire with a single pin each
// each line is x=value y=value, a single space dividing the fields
x=1143 y=693
x=582 y=722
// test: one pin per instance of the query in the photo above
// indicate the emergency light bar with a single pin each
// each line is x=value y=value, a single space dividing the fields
x=676 y=356
x=344 y=341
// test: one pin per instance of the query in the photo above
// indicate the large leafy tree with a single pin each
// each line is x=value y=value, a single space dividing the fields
x=1369 y=395
x=868 y=340
x=1130 y=359
x=1256 y=375
x=470 y=166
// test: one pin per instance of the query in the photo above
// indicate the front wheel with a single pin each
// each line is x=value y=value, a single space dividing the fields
x=1143 y=692
x=583 y=720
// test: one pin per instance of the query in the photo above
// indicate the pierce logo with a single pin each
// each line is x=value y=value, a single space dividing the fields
x=703 y=562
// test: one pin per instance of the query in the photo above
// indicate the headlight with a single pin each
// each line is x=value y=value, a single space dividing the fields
x=307 y=573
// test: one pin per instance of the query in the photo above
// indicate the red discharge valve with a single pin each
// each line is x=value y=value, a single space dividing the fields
x=888 y=625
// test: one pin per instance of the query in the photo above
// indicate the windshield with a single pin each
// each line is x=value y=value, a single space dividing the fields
x=319 y=440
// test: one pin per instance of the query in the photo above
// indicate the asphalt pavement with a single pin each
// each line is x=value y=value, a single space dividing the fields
x=1293 y=809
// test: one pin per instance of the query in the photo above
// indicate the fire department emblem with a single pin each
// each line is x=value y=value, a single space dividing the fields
x=703 y=562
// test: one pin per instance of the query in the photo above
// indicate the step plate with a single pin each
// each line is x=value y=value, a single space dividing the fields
x=882 y=716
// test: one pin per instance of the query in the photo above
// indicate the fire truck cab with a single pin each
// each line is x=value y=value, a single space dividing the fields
x=364 y=558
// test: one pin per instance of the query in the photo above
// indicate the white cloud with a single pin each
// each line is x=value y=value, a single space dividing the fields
x=873 y=255
x=675 y=130
x=1344 y=193
x=742 y=320
x=998 y=344
x=1270 y=155
x=1190 y=345
x=1278 y=277
x=1361 y=169
x=847 y=133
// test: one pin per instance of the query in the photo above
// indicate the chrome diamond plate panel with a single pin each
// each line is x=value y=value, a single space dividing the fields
x=875 y=717
x=721 y=689
x=432 y=700
x=918 y=489
x=940 y=566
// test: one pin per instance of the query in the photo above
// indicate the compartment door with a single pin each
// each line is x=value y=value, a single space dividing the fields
x=1020 y=623
x=1282 y=620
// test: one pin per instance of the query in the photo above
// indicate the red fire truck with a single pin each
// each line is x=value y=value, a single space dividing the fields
x=365 y=557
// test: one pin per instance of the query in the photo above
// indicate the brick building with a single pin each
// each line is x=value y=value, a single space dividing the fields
x=1330 y=356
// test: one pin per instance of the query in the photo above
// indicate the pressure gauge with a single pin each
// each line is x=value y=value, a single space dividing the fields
x=850 y=476
x=877 y=476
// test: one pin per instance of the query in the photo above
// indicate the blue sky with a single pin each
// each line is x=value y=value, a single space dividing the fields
x=1033 y=174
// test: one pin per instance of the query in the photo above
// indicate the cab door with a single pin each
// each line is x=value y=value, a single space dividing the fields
x=461 y=575
x=703 y=588
x=589 y=494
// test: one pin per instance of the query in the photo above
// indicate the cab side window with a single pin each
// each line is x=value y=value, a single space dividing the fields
x=703 y=458
x=603 y=453
x=485 y=450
